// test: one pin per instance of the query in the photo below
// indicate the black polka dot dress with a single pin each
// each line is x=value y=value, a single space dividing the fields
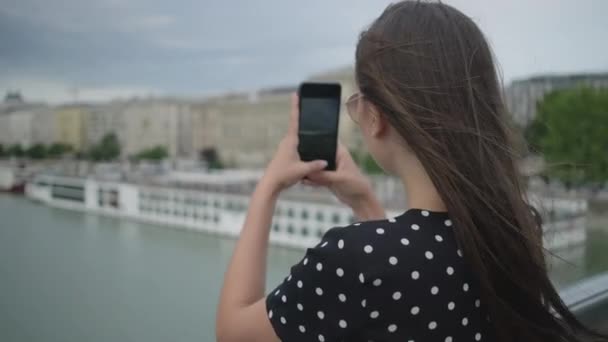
x=402 y=279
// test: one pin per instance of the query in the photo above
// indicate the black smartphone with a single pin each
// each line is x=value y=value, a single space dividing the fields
x=318 y=125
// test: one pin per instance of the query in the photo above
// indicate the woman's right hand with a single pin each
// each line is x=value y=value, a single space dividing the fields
x=350 y=186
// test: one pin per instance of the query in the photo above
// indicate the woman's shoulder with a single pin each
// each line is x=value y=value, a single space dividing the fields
x=414 y=239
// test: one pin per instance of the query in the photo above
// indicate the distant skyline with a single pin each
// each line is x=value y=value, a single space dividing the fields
x=109 y=49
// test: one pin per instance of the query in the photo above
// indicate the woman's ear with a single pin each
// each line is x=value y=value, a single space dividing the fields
x=378 y=124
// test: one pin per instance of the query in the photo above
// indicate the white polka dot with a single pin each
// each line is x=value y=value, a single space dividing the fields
x=341 y=244
x=324 y=244
x=363 y=303
x=342 y=297
x=380 y=231
x=451 y=306
x=270 y=314
x=283 y=320
x=465 y=321
x=448 y=222
x=405 y=241
x=368 y=249
x=465 y=287
x=305 y=261
x=438 y=238
x=339 y=272
x=299 y=284
x=361 y=278
x=357 y=224
x=319 y=266
x=477 y=337
x=377 y=282
x=374 y=314
x=342 y=324
x=434 y=290
x=321 y=338
x=320 y=314
x=284 y=299
x=392 y=328
x=477 y=303
x=432 y=325
x=392 y=260
x=319 y=291
x=448 y=339
x=302 y=329
x=428 y=255
x=415 y=310
x=277 y=292
x=397 y=295
x=289 y=278
x=392 y=220
x=424 y=213
x=415 y=275
x=459 y=252
x=300 y=307
x=415 y=226
x=449 y=270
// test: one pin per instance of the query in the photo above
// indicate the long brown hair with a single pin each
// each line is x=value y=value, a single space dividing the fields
x=428 y=69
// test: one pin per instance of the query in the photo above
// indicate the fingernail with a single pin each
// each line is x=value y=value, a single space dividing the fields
x=323 y=163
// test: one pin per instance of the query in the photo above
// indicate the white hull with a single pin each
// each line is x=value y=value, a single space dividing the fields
x=295 y=224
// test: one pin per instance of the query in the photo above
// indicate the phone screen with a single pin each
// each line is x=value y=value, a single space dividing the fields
x=318 y=115
x=318 y=124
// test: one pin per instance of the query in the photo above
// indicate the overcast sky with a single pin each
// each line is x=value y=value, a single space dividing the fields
x=120 y=48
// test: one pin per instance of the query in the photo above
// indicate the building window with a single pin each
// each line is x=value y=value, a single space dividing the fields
x=290 y=212
x=304 y=214
x=335 y=218
x=275 y=227
x=216 y=204
x=305 y=232
x=278 y=211
x=290 y=229
x=216 y=218
x=320 y=216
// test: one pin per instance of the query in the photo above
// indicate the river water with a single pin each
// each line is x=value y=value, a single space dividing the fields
x=68 y=276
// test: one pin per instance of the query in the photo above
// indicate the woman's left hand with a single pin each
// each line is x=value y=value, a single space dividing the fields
x=285 y=169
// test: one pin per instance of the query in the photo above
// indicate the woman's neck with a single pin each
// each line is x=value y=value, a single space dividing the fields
x=419 y=188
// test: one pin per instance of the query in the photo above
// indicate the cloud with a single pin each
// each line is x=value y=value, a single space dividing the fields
x=202 y=46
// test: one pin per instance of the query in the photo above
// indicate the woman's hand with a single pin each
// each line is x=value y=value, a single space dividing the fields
x=350 y=186
x=285 y=169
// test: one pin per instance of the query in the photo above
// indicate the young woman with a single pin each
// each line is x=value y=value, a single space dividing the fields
x=464 y=262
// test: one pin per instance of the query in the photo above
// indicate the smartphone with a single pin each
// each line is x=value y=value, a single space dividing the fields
x=318 y=124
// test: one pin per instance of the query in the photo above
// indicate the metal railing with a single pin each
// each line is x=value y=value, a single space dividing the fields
x=588 y=299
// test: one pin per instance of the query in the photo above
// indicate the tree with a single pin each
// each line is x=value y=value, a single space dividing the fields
x=212 y=158
x=107 y=149
x=36 y=151
x=15 y=150
x=3 y=153
x=153 y=153
x=571 y=128
x=58 y=149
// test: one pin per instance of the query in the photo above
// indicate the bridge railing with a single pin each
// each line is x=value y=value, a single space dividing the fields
x=588 y=299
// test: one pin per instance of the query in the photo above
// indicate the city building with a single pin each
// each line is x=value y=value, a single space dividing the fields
x=522 y=96
x=101 y=120
x=70 y=125
x=43 y=124
x=16 y=127
x=245 y=128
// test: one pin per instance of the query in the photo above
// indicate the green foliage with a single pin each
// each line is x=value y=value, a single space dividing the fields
x=36 y=151
x=153 y=153
x=15 y=150
x=58 y=149
x=107 y=149
x=3 y=152
x=571 y=128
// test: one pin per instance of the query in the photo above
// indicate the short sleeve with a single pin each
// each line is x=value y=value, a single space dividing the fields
x=320 y=299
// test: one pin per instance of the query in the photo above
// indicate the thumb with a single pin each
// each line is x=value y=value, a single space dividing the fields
x=313 y=166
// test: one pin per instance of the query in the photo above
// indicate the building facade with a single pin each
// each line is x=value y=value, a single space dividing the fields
x=70 y=126
x=523 y=96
